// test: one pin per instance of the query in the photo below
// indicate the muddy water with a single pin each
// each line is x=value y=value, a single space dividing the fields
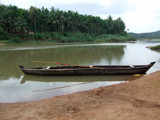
x=17 y=87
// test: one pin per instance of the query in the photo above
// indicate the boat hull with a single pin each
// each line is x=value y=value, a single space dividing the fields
x=95 y=70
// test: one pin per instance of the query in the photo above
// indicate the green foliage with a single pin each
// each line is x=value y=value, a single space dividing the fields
x=3 y=34
x=58 y=26
x=56 y=37
x=156 y=48
x=69 y=37
x=19 y=21
x=16 y=40
x=38 y=36
x=79 y=37
x=150 y=35
x=20 y=26
x=114 y=38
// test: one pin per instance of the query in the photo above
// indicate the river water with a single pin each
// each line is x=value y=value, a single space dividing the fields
x=17 y=87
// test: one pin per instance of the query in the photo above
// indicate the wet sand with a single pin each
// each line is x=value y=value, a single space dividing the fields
x=134 y=100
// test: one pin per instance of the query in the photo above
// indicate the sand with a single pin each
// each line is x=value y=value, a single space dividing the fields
x=134 y=100
x=2 y=44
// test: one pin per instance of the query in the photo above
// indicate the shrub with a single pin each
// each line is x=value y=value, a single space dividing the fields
x=3 y=34
x=79 y=37
x=156 y=48
x=16 y=40
x=114 y=38
x=38 y=36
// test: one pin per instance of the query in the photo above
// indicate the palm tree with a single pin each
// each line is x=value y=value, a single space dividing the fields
x=34 y=18
x=16 y=20
x=51 y=20
x=43 y=20
x=119 y=26
x=75 y=19
x=69 y=22
x=21 y=26
x=62 y=20
x=109 y=23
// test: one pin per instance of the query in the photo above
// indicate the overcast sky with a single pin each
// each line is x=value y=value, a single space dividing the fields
x=140 y=16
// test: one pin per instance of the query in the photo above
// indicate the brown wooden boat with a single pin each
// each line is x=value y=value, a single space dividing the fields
x=88 y=70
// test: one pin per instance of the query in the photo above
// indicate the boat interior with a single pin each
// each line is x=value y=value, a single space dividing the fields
x=98 y=67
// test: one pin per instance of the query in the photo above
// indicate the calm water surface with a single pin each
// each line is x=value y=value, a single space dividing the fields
x=17 y=87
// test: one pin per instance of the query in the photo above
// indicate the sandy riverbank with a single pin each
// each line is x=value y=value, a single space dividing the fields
x=2 y=44
x=135 y=100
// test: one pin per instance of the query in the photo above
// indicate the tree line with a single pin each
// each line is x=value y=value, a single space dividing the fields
x=14 y=20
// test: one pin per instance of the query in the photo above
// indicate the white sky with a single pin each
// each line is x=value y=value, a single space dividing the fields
x=139 y=15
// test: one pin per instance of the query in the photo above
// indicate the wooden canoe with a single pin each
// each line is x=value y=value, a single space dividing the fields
x=86 y=70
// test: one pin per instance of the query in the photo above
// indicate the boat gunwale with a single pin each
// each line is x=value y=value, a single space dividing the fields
x=88 y=67
x=121 y=69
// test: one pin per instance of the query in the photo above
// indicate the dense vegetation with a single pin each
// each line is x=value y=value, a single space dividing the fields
x=156 y=48
x=60 y=26
x=150 y=35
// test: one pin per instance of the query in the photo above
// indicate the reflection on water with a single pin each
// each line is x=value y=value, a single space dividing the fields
x=15 y=86
x=81 y=55
x=89 y=78
x=27 y=88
